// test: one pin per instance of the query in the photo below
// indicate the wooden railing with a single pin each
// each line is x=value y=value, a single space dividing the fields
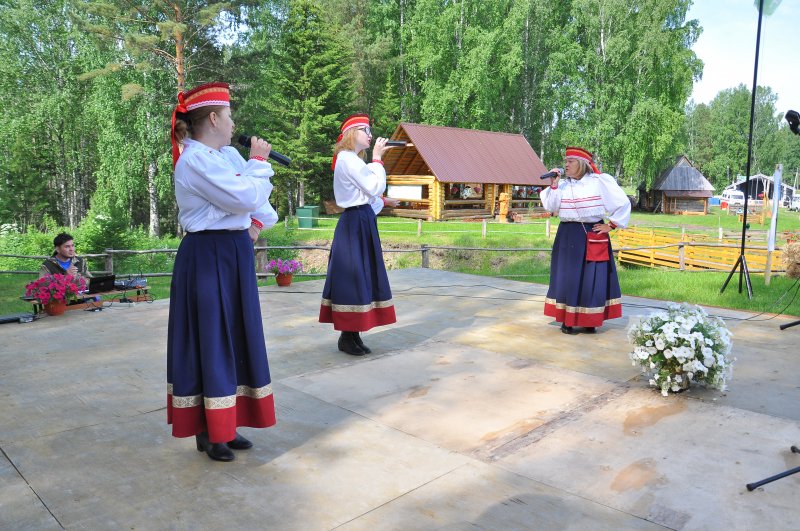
x=653 y=248
x=643 y=247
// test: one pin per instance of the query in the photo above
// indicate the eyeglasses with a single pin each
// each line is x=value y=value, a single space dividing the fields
x=366 y=129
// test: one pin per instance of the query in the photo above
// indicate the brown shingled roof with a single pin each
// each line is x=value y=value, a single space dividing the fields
x=456 y=155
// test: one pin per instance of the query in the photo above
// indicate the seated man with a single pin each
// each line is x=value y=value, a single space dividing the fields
x=64 y=261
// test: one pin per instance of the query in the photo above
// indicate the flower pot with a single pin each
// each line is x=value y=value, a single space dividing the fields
x=684 y=383
x=283 y=279
x=55 y=307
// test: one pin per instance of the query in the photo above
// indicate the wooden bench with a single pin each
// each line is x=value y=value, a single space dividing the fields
x=117 y=295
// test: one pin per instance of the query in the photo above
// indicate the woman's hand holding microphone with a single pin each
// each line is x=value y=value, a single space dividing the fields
x=555 y=180
x=259 y=148
x=379 y=148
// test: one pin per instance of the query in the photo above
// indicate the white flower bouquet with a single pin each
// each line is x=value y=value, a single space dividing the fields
x=681 y=345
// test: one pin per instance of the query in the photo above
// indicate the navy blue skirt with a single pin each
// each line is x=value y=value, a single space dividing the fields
x=217 y=370
x=356 y=296
x=581 y=293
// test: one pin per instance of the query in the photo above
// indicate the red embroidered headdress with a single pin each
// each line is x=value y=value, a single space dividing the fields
x=580 y=153
x=209 y=94
x=354 y=120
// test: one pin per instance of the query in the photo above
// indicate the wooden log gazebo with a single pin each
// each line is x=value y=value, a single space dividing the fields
x=452 y=173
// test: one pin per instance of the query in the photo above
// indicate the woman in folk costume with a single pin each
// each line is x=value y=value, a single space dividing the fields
x=584 y=288
x=217 y=371
x=357 y=296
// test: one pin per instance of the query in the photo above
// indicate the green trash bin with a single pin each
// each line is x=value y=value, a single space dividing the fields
x=307 y=217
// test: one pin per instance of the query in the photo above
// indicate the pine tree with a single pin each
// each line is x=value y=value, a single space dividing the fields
x=307 y=92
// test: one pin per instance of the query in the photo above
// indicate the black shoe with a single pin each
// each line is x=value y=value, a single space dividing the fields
x=361 y=343
x=239 y=443
x=347 y=343
x=590 y=329
x=216 y=451
x=567 y=329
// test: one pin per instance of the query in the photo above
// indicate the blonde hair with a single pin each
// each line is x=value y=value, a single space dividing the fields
x=186 y=125
x=584 y=166
x=348 y=143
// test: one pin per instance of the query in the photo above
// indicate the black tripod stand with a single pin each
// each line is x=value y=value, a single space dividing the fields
x=753 y=486
x=787 y=325
x=741 y=263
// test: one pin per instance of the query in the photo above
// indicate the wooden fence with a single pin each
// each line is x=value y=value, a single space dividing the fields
x=637 y=246
x=692 y=252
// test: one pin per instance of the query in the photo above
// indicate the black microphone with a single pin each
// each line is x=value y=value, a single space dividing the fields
x=552 y=174
x=244 y=140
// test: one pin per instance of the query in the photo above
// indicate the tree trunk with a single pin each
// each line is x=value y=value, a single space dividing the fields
x=155 y=226
x=180 y=43
x=301 y=194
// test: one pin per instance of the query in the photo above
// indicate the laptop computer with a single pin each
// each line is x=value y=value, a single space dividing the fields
x=101 y=284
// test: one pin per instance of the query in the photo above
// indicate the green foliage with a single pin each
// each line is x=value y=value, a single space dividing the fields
x=134 y=264
x=279 y=236
x=90 y=87
x=103 y=229
x=31 y=243
x=719 y=134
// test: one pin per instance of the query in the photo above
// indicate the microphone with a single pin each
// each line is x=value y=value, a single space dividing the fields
x=552 y=174
x=398 y=143
x=244 y=141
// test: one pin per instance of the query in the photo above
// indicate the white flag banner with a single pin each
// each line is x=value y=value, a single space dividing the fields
x=776 y=201
x=769 y=5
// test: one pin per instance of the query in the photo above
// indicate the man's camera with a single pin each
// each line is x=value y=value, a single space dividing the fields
x=793 y=117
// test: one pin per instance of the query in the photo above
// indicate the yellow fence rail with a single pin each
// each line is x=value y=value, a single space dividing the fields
x=654 y=248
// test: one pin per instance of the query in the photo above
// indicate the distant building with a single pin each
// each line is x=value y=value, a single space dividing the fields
x=761 y=185
x=681 y=189
x=451 y=173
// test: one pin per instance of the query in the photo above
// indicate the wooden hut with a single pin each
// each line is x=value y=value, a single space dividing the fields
x=451 y=173
x=682 y=189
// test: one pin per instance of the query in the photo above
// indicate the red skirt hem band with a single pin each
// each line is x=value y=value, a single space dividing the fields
x=221 y=424
x=571 y=318
x=357 y=321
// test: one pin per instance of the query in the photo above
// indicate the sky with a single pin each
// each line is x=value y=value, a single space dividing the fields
x=727 y=47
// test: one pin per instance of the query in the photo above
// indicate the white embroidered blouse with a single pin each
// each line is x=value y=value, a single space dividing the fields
x=357 y=183
x=219 y=190
x=588 y=200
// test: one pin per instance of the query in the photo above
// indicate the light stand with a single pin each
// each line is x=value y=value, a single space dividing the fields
x=794 y=124
x=741 y=262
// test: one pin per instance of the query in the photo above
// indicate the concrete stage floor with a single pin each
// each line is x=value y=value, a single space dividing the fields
x=473 y=412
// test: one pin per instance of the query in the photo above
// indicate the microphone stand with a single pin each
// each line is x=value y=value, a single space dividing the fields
x=741 y=261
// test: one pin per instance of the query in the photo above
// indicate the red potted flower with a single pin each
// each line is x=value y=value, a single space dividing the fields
x=53 y=291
